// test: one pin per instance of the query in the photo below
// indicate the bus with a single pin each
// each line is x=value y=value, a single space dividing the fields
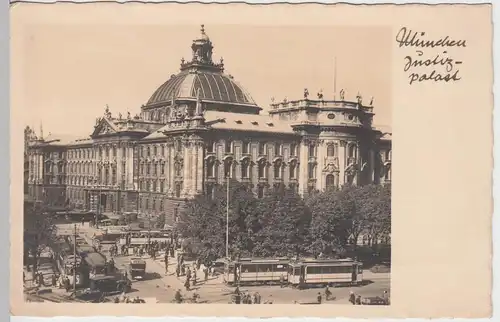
x=255 y=271
x=96 y=264
x=137 y=268
x=331 y=272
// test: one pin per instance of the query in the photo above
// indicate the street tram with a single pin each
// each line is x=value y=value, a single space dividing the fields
x=255 y=271
x=309 y=272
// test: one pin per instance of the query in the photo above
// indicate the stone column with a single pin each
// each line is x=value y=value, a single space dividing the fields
x=171 y=168
x=197 y=167
x=320 y=159
x=187 y=169
x=303 y=166
x=342 y=165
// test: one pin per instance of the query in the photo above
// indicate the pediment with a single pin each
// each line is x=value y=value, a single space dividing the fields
x=104 y=127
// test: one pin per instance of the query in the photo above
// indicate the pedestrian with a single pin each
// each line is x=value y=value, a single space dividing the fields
x=258 y=297
x=166 y=265
x=385 y=297
x=205 y=271
x=194 y=277
x=212 y=269
x=358 y=300
x=352 y=298
x=54 y=280
x=319 y=298
x=254 y=298
x=178 y=271
x=178 y=296
x=282 y=280
x=328 y=293
x=24 y=277
x=41 y=281
x=187 y=285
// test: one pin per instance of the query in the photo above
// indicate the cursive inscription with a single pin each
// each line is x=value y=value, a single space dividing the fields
x=438 y=66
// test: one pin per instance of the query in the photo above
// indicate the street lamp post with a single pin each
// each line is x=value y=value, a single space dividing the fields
x=227 y=217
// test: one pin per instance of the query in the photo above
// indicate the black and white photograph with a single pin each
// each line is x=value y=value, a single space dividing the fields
x=203 y=194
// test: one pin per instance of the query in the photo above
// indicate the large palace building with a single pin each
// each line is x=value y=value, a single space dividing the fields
x=199 y=128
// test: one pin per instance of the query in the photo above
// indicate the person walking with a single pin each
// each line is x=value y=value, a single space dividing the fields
x=319 y=298
x=328 y=293
x=358 y=300
x=282 y=280
x=352 y=298
x=187 y=285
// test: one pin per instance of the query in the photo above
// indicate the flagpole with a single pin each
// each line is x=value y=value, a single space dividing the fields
x=334 y=77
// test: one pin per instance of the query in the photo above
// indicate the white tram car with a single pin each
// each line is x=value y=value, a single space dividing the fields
x=255 y=271
x=325 y=272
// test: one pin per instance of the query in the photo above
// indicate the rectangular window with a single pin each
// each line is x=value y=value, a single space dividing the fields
x=262 y=148
x=229 y=146
x=246 y=147
x=312 y=150
x=210 y=147
x=277 y=149
x=293 y=149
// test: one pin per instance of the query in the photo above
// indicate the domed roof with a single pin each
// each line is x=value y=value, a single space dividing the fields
x=202 y=75
x=213 y=86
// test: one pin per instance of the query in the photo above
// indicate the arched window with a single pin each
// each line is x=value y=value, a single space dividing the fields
x=154 y=185
x=148 y=153
x=293 y=150
x=155 y=150
x=262 y=170
x=210 y=168
x=162 y=150
x=330 y=182
x=277 y=170
x=352 y=151
x=244 y=169
x=291 y=169
x=162 y=168
x=330 y=150
x=153 y=206
x=147 y=204
x=228 y=169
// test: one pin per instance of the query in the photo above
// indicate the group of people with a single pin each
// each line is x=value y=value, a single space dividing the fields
x=245 y=297
x=125 y=299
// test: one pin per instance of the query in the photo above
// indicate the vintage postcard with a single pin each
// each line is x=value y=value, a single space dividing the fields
x=324 y=160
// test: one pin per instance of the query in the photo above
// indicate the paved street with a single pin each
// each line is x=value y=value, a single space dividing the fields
x=160 y=287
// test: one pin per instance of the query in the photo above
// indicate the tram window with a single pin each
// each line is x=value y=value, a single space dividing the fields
x=279 y=268
x=248 y=268
x=360 y=269
x=264 y=268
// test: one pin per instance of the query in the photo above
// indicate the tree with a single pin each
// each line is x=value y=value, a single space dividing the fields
x=283 y=219
x=204 y=220
x=39 y=231
x=331 y=211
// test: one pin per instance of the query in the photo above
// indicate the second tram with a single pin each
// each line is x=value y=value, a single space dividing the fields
x=325 y=272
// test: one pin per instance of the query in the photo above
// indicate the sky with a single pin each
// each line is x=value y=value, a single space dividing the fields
x=66 y=74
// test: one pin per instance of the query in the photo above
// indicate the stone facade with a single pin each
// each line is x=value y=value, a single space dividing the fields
x=197 y=130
